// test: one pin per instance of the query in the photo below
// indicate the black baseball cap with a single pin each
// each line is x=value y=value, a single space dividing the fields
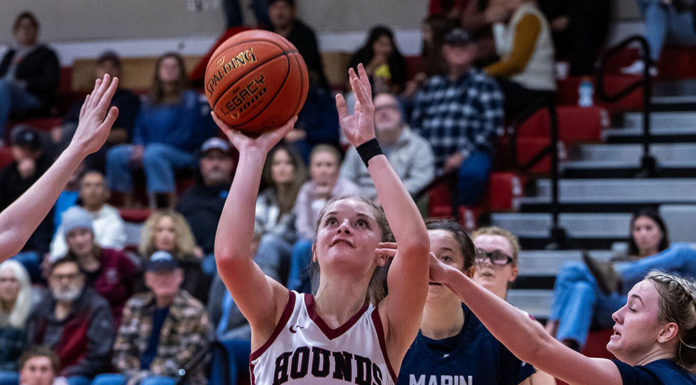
x=458 y=36
x=161 y=261
x=27 y=137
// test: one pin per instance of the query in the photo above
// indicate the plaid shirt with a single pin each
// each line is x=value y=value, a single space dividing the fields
x=184 y=333
x=463 y=115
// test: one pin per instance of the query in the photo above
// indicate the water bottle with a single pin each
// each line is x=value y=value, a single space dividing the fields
x=585 y=92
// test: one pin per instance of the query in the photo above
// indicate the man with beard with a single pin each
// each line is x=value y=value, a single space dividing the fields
x=75 y=322
x=202 y=204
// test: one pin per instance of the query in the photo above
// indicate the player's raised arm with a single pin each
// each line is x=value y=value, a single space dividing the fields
x=19 y=220
x=408 y=275
x=258 y=297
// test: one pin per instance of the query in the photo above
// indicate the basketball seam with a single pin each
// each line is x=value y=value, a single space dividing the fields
x=242 y=42
x=261 y=64
x=299 y=66
x=280 y=88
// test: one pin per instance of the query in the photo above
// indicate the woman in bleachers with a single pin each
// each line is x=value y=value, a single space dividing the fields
x=324 y=185
x=171 y=125
x=525 y=70
x=29 y=72
x=579 y=301
x=284 y=173
x=382 y=60
x=15 y=305
x=167 y=230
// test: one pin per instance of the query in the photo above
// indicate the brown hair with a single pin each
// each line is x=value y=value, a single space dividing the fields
x=678 y=305
x=377 y=288
x=299 y=175
x=26 y=15
x=466 y=245
x=510 y=237
x=157 y=95
x=38 y=351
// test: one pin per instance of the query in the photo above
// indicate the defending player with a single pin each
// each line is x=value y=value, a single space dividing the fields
x=20 y=219
x=347 y=333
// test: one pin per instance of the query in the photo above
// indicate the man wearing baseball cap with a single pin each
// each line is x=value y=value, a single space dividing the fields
x=459 y=114
x=202 y=204
x=162 y=330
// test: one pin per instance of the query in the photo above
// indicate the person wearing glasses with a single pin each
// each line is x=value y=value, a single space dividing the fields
x=75 y=322
x=452 y=345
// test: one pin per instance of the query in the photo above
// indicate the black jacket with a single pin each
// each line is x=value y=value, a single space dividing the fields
x=40 y=69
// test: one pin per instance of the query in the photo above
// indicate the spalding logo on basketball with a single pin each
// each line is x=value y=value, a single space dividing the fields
x=255 y=81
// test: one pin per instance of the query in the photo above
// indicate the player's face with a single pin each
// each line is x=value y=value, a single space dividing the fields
x=494 y=277
x=165 y=234
x=93 y=191
x=282 y=169
x=446 y=248
x=636 y=325
x=387 y=114
x=9 y=286
x=80 y=241
x=324 y=168
x=647 y=235
x=347 y=237
x=37 y=371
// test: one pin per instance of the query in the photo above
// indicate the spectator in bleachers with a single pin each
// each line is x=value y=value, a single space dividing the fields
x=127 y=102
x=170 y=127
x=29 y=72
x=452 y=341
x=578 y=302
x=324 y=185
x=68 y=197
x=163 y=330
x=579 y=30
x=15 y=305
x=75 y=322
x=30 y=162
x=167 y=230
x=233 y=13
x=383 y=62
x=284 y=21
x=317 y=123
x=284 y=172
x=38 y=366
x=618 y=276
x=409 y=154
x=202 y=204
x=109 y=228
x=459 y=114
x=110 y=272
x=665 y=21
x=525 y=70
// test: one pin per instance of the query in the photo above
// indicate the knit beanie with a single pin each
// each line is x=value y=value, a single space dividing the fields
x=76 y=218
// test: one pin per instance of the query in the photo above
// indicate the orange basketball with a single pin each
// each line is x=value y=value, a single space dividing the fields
x=255 y=81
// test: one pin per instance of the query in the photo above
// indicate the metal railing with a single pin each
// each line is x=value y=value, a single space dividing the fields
x=648 y=163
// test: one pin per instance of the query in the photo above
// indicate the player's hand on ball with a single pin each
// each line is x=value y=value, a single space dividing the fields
x=263 y=142
x=96 y=118
x=359 y=127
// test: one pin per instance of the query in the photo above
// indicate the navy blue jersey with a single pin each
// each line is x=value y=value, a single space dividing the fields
x=660 y=372
x=472 y=357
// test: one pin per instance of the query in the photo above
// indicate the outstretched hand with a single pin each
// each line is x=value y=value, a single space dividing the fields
x=96 y=118
x=263 y=142
x=437 y=269
x=359 y=127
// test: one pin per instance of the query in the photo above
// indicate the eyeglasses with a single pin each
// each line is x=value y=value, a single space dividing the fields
x=390 y=107
x=496 y=257
x=61 y=277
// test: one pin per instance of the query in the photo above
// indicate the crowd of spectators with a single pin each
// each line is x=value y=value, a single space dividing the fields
x=139 y=315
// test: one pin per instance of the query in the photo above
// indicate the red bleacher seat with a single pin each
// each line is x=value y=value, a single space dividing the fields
x=43 y=124
x=414 y=65
x=134 y=215
x=596 y=346
x=5 y=156
x=575 y=124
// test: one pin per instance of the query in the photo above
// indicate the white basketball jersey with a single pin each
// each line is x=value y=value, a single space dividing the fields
x=303 y=349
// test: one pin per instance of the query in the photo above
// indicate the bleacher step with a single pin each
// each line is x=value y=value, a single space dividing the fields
x=673 y=152
x=534 y=301
x=617 y=191
x=660 y=119
x=545 y=263
x=537 y=225
x=658 y=134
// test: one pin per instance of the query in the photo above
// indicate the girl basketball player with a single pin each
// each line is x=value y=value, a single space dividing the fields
x=654 y=332
x=347 y=333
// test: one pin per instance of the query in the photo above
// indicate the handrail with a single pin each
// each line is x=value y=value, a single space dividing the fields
x=557 y=234
x=648 y=163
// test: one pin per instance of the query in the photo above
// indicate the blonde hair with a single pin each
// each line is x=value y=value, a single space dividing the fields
x=185 y=243
x=678 y=305
x=20 y=311
x=510 y=237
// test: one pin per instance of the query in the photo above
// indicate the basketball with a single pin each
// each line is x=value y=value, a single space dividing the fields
x=255 y=81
